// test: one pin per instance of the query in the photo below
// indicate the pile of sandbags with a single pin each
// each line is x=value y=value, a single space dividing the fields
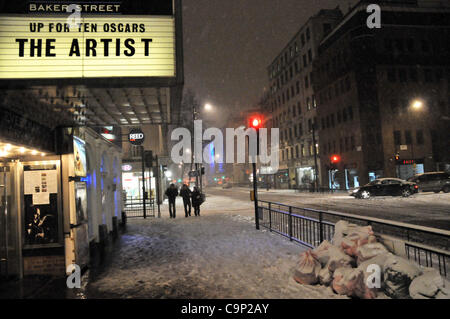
x=355 y=264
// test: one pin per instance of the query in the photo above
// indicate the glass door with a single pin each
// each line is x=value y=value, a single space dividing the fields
x=9 y=243
x=3 y=225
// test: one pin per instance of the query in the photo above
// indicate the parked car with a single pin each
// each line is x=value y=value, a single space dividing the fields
x=227 y=185
x=386 y=187
x=432 y=182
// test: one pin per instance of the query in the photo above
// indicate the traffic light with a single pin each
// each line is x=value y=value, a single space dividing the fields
x=335 y=160
x=255 y=122
x=397 y=158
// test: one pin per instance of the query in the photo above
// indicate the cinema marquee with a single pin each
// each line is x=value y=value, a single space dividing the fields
x=41 y=40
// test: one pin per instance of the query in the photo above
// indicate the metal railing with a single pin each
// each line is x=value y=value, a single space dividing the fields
x=134 y=207
x=427 y=246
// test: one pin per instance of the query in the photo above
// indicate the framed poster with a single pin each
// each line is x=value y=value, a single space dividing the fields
x=41 y=205
x=81 y=202
x=79 y=153
x=41 y=221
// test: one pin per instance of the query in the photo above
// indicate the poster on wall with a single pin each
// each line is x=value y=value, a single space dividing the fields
x=81 y=202
x=41 y=221
x=41 y=206
x=82 y=245
x=79 y=153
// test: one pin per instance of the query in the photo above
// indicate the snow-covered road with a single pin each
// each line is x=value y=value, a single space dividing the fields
x=217 y=255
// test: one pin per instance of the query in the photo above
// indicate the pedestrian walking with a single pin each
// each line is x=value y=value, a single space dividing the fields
x=186 y=193
x=197 y=200
x=172 y=193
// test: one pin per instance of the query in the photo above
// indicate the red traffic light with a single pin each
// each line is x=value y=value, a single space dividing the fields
x=335 y=159
x=256 y=122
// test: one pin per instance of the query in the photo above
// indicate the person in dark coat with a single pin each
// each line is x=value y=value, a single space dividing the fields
x=186 y=194
x=196 y=201
x=172 y=193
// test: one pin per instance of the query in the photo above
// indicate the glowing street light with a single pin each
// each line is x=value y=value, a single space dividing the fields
x=208 y=107
x=417 y=104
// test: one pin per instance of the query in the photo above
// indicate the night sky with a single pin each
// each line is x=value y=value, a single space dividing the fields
x=228 y=45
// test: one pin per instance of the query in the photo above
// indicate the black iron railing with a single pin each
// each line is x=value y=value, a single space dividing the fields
x=134 y=208
x=427 y=246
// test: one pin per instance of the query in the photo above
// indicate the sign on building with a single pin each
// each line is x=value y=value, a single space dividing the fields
x=104 y=41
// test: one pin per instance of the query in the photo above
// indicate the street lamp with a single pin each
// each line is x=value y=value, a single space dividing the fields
x=208 y=107
x=417 y=104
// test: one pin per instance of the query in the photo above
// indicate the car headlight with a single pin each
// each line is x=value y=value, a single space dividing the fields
x=355 y=190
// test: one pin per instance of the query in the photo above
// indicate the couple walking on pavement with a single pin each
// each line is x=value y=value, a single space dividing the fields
x=187 y=195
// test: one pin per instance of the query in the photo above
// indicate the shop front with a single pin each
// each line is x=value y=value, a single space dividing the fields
x=282 y=179
x=48 y=205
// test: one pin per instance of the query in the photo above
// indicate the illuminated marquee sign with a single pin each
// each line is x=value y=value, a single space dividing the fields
x=33 y=46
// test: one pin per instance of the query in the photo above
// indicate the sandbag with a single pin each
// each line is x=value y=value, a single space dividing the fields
x=325 y=277
x=365 y=267
x=337 y=259
x=369 y=251
x=322 y=253
x=358 y=237
x=348 y=282
x=307 y=272
x=430 y=285
x=398 y=274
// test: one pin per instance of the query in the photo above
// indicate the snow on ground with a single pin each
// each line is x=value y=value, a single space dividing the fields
x=217 y=255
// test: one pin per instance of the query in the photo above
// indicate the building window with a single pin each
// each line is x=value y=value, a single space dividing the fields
x=388 y=45
x=339 y=117
x=299 y=108
x=413 y=75
x=399 y=45
x=310 y=57
x=297 y=87
x=344 y=115
x=305 y=62
x=439 y=75
x=391 y=75
x=297 y=153
x=402 y=75
x=308 y=104
x=408 y=138
x=350 y=113
x=348 y=84
x=306 y=82
x=308 y=34
x=410 y=45
x=397 y=138
x=420 y=138
x=303 y=150
x=428 y=75
x=425 y=46
x=394 y=105
x=352 y=141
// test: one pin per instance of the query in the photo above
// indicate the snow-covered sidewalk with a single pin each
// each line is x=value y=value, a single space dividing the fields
x=217 y=255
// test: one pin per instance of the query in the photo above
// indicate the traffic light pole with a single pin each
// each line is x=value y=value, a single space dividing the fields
x=158 y=186
x=255 y=180
x=316 y=168
x=143 y=181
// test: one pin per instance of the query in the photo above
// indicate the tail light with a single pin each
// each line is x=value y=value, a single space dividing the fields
x=416 y=186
